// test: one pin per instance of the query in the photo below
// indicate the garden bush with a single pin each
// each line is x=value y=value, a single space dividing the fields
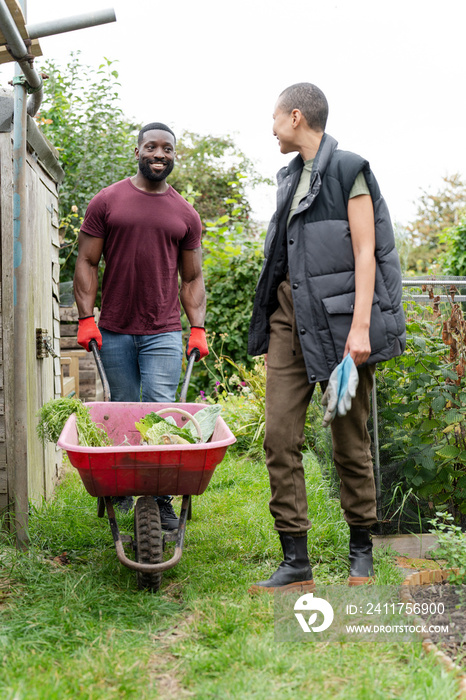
x=451 y=547
x=241 y=391
x=422 y=406
x=230 y=288
x=421 y=398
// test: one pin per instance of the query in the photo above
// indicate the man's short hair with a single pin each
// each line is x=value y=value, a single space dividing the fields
x=155 y=126
x=310 y=101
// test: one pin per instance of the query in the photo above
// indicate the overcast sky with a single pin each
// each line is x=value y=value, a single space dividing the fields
x=394 y=73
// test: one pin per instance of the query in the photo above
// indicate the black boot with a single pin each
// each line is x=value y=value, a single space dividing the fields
x=360 y=556
x=168 y=518
x=294 y=572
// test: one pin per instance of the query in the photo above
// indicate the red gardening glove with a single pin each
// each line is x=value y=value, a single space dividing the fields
x=197 y=341
x=87 y=331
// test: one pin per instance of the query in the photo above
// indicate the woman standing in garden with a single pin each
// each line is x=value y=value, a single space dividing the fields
x=330 y=287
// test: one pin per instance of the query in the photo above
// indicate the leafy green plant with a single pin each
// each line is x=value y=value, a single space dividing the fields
x=436 y=211
x=422 y=400
x=226 y=236
x=451 y=545
x=154 y=429
x=400 y=507
x=215 y=176
x=454 y=241
x=82 y=117
x=243 y=399
x=241 y=392
x=54 y=414
x=230 y=287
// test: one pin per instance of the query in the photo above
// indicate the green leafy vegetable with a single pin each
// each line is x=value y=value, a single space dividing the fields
x=54 y=414
x=156 y=430
x=167 y=428
x=206 y=417
x=159 y=434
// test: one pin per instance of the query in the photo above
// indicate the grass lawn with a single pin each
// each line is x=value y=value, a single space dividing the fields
x=82 y=630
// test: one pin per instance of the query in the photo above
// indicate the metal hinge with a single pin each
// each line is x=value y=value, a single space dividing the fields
x=44 y=346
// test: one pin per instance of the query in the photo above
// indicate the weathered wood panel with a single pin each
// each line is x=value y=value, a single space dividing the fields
x=41 y=378
x=3 y=470
x=7 y=315
x=38 y=293
x=40 y=256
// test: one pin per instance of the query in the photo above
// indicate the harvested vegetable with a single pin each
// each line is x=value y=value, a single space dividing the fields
x=156 y=430
x=206 y=417
x=158 y=434
x=54 y=414
x=153 y=427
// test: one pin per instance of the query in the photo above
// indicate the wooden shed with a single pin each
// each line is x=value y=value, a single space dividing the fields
x=37 y=330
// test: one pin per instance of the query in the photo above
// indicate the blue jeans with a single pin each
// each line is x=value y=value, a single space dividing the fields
x=142 y=367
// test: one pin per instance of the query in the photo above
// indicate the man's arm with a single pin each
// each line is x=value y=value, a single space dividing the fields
x=192 y=293
x=86 y=282
x=192 y=296
x=362 y=227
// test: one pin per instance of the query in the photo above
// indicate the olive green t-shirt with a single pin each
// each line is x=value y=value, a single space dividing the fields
x=359 y=187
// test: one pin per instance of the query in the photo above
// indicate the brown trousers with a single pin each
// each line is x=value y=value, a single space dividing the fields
x=288 y=394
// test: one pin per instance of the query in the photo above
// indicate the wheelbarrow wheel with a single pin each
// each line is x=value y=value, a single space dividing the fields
x=148 y=540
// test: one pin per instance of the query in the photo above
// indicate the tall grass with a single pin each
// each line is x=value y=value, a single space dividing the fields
x=82 y=630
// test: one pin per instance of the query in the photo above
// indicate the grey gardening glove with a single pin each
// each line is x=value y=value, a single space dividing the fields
x=340 y=391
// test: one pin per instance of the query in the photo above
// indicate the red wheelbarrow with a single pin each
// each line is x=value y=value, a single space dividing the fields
x=132 y=469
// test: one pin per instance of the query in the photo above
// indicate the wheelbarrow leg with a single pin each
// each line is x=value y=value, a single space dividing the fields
x=139 y=566
x=100 y=507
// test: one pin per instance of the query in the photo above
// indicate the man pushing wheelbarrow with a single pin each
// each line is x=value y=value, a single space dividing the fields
x=147 y=233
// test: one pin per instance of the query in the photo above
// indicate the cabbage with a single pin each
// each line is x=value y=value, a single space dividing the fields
x=152 y=421
x=154 y=428
x=206 y=417
x=159 y=434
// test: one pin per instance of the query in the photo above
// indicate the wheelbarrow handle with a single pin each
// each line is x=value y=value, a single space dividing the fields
x=106 y=386
x=194 y=355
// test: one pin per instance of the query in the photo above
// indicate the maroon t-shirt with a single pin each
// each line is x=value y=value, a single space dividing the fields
x=143 y=237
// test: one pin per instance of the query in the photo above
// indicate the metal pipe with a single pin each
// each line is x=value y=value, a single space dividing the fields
x=70 y=24
x=433 y=281
x=424 y=299
x=378 y=481
x=34 y=102
x=103 y=377
x=20 y=314
x=195 y=354
x=20 y=53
